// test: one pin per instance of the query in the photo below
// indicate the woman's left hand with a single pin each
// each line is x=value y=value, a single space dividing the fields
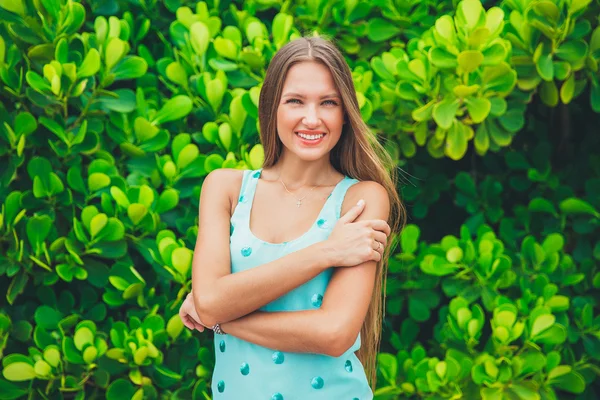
x=189 y=316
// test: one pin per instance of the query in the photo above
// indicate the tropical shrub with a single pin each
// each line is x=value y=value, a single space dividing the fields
x=113 y=112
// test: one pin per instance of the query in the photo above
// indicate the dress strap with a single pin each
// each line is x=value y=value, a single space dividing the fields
x=340 y=193
x=249 y=181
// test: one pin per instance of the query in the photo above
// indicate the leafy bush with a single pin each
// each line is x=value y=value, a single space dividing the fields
x=113 y=112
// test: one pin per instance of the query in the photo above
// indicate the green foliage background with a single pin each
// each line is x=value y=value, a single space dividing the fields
x=113 y=112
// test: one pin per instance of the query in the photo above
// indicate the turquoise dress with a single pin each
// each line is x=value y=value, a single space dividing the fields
x=248 y=371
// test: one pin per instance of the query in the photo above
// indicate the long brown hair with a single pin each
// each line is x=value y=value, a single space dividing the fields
x=358 y=154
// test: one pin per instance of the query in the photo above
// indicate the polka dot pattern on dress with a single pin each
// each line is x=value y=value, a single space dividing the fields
x=246 y=251
x=245 y=369
x=222 y=346
x=277 y=396
x=322 y=223
x=256 y=174
x=317 y=300
x=278 y=357
x=317 y=382
x=221 y=386
x=348 y=366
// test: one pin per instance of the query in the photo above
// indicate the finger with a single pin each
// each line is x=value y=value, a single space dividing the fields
x=188 y=323
x=198 y=326
x=379 y=225
x=381 y=237
x=354 y=212
x=376 y=256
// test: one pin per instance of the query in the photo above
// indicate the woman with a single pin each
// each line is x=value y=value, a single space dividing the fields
x=268 y=270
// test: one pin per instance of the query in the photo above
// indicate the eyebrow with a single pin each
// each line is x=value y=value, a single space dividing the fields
x=293 y=94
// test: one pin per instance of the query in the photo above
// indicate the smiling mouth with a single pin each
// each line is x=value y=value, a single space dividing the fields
x=309 y=137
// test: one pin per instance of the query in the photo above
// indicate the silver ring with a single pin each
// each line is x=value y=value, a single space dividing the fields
x=378 y=245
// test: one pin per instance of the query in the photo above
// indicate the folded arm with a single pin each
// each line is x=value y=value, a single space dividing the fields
x=333 y=328
x=216 y=291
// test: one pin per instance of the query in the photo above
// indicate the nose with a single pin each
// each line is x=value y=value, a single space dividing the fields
x=311 y=119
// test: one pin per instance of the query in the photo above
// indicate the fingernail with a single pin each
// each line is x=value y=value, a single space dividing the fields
x=360 y=202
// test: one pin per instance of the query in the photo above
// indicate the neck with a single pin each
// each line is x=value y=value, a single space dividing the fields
x=296 y=173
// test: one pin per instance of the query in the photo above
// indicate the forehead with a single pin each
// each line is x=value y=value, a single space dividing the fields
x=309 y=78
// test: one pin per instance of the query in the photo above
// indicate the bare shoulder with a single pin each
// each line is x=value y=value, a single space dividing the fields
x=375 y=196
x=224 y=183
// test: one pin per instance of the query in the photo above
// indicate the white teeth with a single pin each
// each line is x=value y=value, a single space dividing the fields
x=310 y=137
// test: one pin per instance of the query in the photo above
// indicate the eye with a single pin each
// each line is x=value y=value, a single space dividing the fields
x=332 y=102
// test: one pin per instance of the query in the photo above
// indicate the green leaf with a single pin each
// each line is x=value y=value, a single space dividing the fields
x=567 y=90
x=409 y=238
x=212 y=162
x=97 y=181
x=494 y=54
x=282 y=25
x=256 y=156
x=144 y=130
x=176 y=108
x=119 y=196
x=456 y=141
x=577 y=5
x=115 y=50
x=199 y=37
x=18 y=372
x=542 y=323
x=479 y=108
x=136 y=212
x=470 y=60
x=225 y=135
x=545 y=67
x=130 y=68
x=542 y=205
x=471 y=12
x=123 y=101
x=25 y=124
x=572 y=51
x=572 y=382
x=576 y=206
x=442 y=58
x=444 y=112
x=388 y=365
x=181 y=259
x=167 y=200
x=174 y=327
x=226 y=48
x=47 y=317
x=120 y=389
x=83 y=336
x=380 y=30
x=90 y=65
x=549 y=93
x=97 y=223
x=38 y=228
x=177 y=74
x=445 y=28
x=9 y=390
x=215 y=91
x=187 y=155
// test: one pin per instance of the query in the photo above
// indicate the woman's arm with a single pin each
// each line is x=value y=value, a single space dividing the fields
x=333 y=328
x=219 y=295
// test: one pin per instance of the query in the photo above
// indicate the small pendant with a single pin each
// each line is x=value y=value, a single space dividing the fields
x=298 y=203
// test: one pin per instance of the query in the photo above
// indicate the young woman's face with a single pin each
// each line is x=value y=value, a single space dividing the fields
x=310 y=115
